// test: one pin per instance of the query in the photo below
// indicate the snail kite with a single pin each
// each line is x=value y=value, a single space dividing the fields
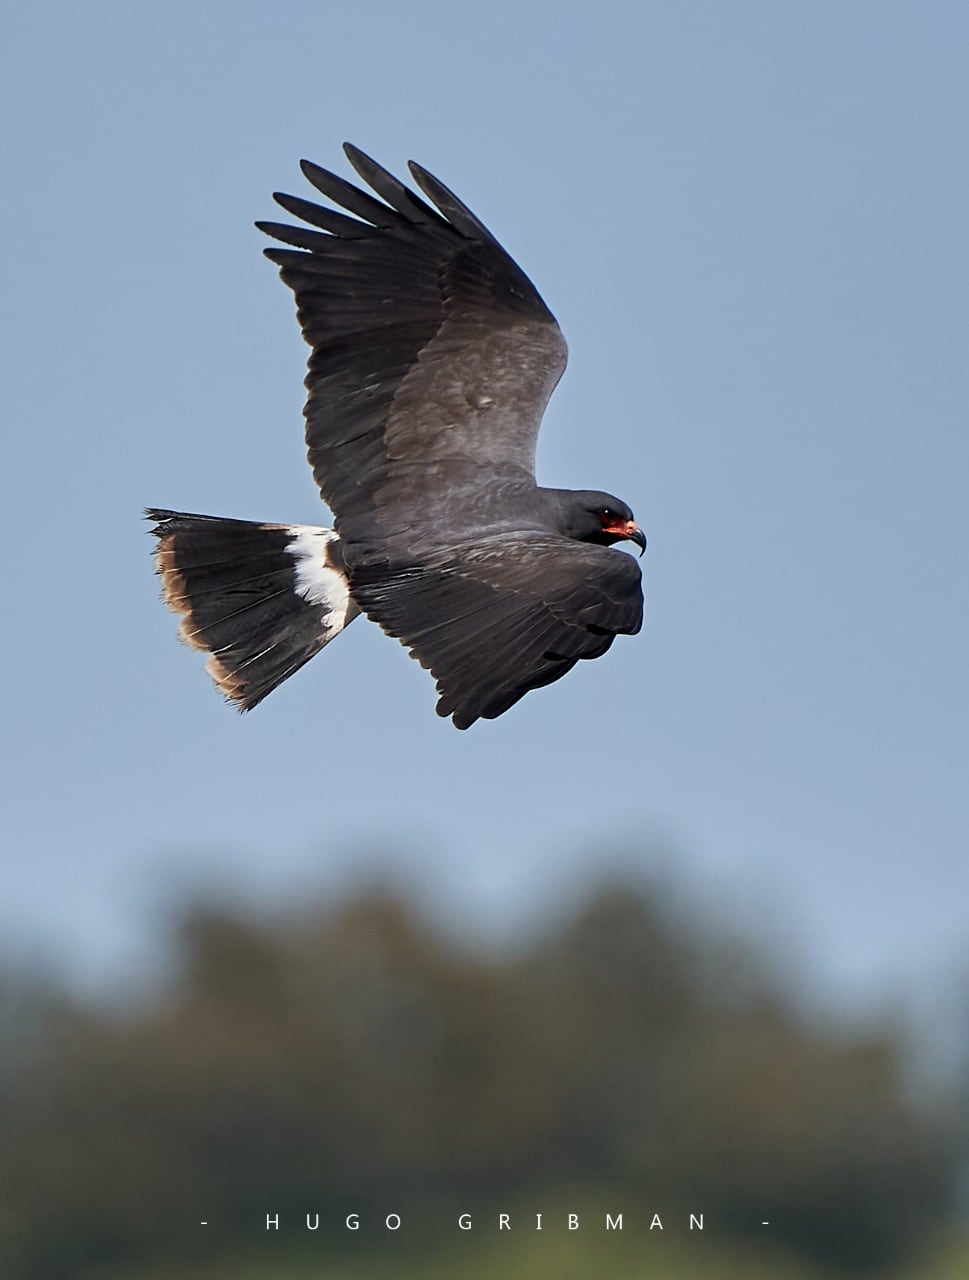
x=433 y=358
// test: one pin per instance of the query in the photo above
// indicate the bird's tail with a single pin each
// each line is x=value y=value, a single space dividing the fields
x=260 y=599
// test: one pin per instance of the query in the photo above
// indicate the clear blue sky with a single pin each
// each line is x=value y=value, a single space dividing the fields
x=751 y=221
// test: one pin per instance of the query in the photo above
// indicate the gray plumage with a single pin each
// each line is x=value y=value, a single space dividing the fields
x=432 y=360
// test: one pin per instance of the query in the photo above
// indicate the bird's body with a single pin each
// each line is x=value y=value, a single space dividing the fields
x=433 y=357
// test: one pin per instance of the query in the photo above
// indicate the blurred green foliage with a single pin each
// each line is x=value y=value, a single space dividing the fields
x=356 y=1059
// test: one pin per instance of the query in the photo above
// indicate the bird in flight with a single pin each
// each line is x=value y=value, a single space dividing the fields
x=432 y=360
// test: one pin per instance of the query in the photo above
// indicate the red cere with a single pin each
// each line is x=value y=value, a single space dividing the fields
x=615 y=524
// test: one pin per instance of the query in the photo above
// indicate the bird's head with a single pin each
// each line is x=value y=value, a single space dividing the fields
x=591 y=516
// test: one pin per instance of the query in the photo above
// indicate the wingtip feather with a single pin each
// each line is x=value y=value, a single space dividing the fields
x=355 y=155
x=453 y=208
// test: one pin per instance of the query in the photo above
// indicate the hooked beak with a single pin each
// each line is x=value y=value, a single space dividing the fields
x=635 y=534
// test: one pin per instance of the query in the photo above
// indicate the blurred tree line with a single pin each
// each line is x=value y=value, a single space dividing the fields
x=356 y=1059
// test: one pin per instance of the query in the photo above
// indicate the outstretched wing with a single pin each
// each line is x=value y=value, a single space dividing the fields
x=433 y=355
x=493 y=619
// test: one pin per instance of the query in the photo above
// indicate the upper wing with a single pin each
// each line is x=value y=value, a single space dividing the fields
x=496 y=618
x=433 y=354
